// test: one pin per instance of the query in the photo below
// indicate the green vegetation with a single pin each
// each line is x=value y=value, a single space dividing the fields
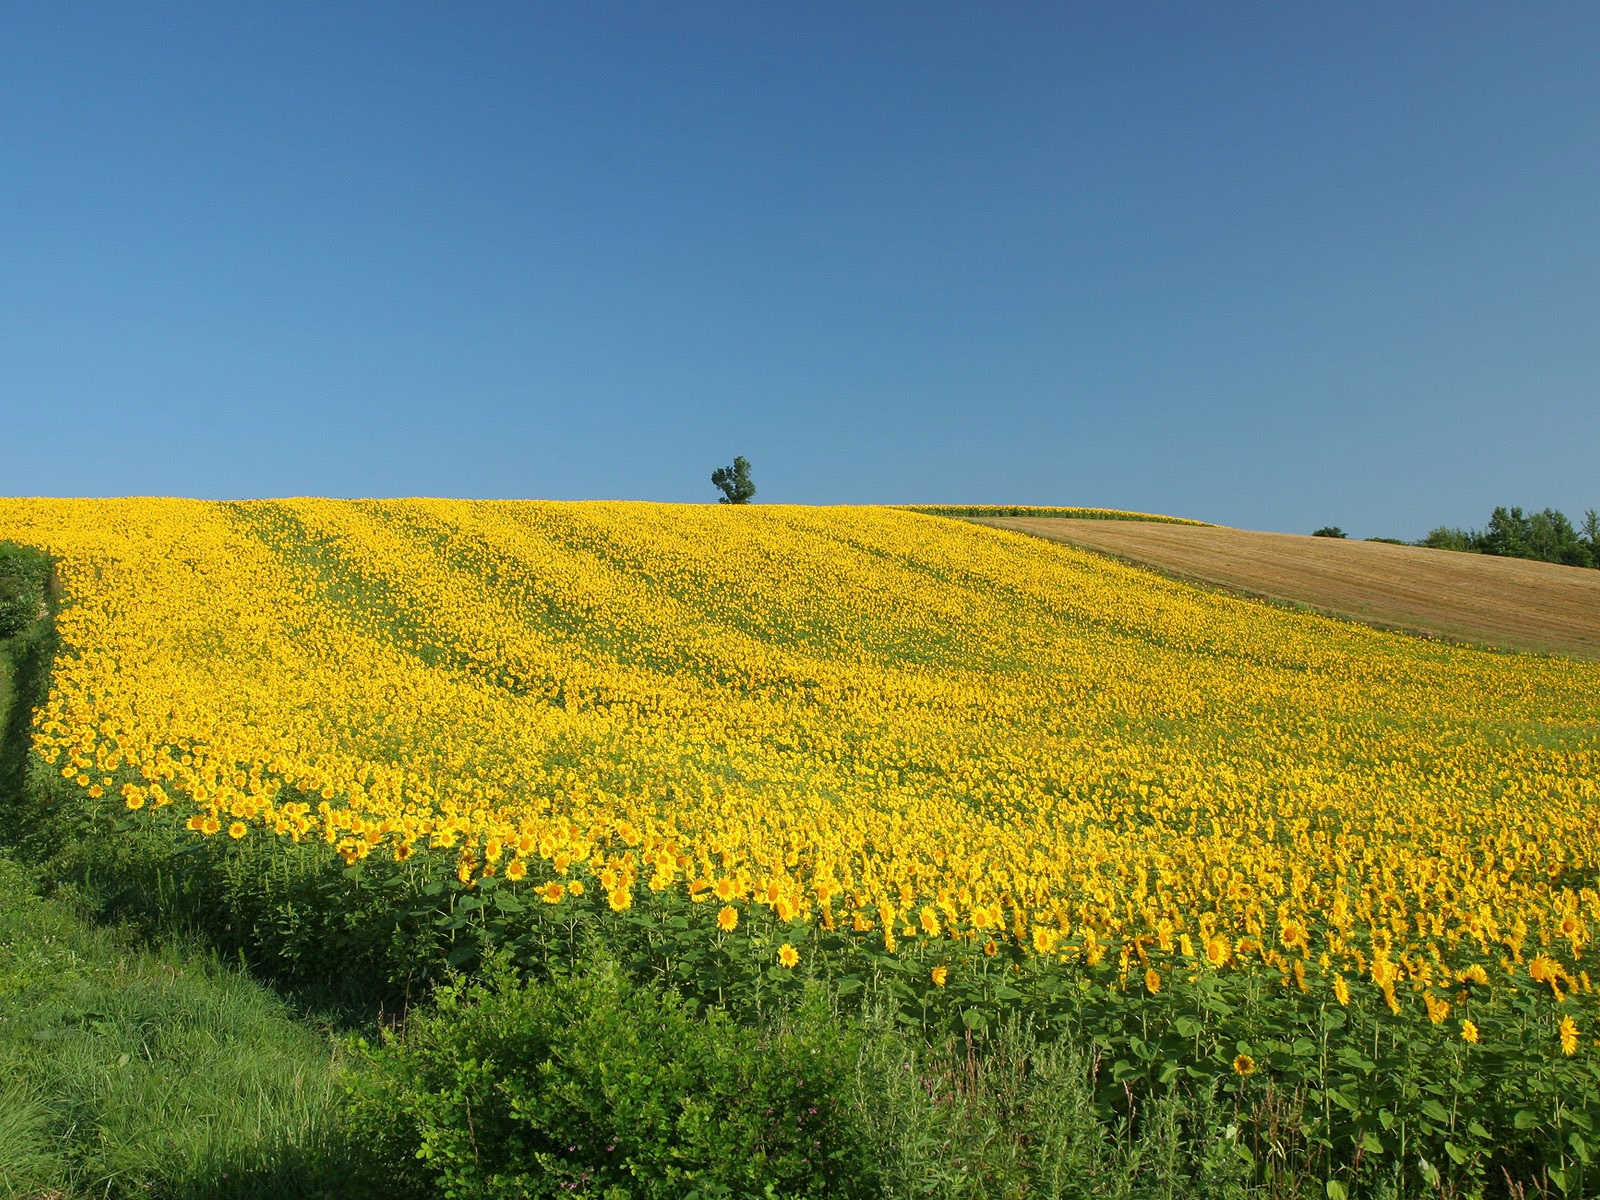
x=734 y=482
x=127 y=1066
x=23 y=579
x=1329 y=531
x=129 y=1070
x=1546 y=536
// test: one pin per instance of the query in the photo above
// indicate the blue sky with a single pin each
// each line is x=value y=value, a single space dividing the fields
x=1272 y=265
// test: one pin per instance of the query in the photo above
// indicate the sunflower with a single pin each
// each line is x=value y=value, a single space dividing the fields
x=1438 y=1009
x=237 y=830
x=1152 y=981
x=1569 y=1036
x=728 y=918
x=1244 y=1065
x=788 y=956
x=1218 y=951
x=939 y=975
x=1469 y=1032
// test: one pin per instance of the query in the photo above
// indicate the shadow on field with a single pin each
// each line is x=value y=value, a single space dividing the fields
x=33 y=655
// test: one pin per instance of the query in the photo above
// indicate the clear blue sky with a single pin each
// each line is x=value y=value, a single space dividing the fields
x=1273 y=265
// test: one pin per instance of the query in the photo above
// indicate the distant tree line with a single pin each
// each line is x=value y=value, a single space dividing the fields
x=1546 y=536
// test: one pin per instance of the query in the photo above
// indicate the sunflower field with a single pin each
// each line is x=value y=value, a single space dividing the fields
x=1346 y=876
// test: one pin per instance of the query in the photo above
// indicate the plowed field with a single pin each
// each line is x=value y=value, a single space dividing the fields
x=1475 y=598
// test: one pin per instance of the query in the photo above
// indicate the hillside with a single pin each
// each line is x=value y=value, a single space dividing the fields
x=847 y=713
x=1508 y=603
x=984 y=780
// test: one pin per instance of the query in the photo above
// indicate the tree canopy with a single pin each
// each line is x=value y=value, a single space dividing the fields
x=734 y=482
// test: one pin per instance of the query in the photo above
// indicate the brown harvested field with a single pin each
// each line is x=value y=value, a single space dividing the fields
x=1503 y=602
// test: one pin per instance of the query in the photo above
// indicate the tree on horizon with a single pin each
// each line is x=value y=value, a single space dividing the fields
x=734 y=482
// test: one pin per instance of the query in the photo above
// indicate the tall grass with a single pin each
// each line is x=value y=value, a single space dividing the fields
x=129 y=1070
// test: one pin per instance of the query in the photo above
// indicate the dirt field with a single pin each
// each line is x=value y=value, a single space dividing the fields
x=1501 y=602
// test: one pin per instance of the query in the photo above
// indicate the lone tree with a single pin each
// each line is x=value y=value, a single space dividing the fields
x=1332 y=531
x=734 y=482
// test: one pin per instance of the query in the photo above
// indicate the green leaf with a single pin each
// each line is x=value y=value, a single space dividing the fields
x=1371 y=1144
x=1477 y=1130
x=1558 y=1177
x=1579 y=1147
x=1336 y=1191
x=1524 y=1120
x=1435 y=1110
x=1188 y=1027
x=973 y=1019
x=1456 y=1153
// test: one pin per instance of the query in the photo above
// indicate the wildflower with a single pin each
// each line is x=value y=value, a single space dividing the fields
x=940 y=974
x=728 y=918
x=1244 y=1065
x=1469 y=1032
x=788 y=956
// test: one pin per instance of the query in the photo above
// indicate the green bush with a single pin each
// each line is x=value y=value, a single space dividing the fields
x=590 y=1085
x=24 y=575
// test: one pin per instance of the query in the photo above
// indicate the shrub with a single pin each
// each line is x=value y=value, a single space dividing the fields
x=590 y=1085
x=1331 y=531
x=23 y=577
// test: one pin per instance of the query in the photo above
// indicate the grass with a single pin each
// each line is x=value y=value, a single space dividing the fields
x=131 y=1069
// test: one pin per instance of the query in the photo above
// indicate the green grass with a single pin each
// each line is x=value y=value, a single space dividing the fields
x=131 y=1069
